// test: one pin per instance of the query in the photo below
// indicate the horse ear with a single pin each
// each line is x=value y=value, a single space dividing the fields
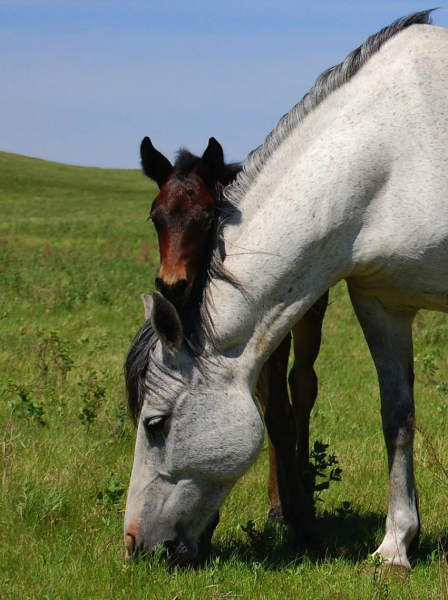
x=213 y=157
x=147 y=303
x=166 y=322
x=154 y=164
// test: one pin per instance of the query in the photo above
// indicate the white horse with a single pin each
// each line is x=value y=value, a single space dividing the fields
x=352 y=184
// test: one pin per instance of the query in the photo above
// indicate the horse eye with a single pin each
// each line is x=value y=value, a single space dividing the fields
x=154 y=222
x=155 y=425
x=207 y=223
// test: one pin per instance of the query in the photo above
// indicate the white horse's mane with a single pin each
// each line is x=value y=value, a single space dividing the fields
x=329 y=81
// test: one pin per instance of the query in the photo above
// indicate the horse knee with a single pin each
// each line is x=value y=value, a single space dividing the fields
x=282 y=432
x=398 y=421
x=304 y=386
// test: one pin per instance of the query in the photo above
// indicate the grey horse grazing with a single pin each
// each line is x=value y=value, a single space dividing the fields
x=352 y=184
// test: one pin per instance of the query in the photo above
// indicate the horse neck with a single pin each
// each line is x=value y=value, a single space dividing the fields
x=297 y=225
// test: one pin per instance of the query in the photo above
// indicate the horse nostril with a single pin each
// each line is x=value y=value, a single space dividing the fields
x=180 y=552
x=175 y=292
x=171 y=546
x=130 y=546
x=180 y=288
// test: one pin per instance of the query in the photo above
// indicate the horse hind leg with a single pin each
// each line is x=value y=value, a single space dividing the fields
x=389 y=336
x=303 y=384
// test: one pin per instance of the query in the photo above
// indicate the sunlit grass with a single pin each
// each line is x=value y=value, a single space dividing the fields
x=76 y=252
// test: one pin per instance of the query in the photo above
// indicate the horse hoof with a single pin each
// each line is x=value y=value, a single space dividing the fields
x=205 y=539
x=415 y=544
x=309 y=542
x=276 y=514
x=390 y=571
x=395 y=571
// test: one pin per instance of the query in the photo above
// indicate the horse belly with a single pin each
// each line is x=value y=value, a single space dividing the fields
x=410 y=281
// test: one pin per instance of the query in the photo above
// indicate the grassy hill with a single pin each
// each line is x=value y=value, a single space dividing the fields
x=76 y=252
x=71 y=236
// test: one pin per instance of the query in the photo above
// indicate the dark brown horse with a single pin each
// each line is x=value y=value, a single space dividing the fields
x=185 y=214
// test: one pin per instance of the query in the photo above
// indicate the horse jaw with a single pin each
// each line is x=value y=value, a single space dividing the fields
x=182 y=475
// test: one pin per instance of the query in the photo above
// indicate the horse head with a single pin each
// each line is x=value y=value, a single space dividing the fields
x=183 y=213
x=191 y=446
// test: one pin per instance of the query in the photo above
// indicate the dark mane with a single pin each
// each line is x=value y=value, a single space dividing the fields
x=139 y=355
x=195 y=316
x=329 y=81
x=136 y=366
x=186 y=163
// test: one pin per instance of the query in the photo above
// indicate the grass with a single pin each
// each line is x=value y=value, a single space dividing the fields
x=75 y=254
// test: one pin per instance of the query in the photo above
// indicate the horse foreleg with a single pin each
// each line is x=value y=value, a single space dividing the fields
x=281 y=425
x=205 y=539
x=388 y=331
x=273 y=395
x=307 y=335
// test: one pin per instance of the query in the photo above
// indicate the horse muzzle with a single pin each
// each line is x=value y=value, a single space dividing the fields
x=177 y=552
x=177 y=293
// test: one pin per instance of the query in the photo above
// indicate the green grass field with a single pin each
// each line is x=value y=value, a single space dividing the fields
x=76 y=252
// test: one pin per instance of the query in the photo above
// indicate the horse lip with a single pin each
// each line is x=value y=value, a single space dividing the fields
x=178 y=553
x=130 y=546
x=181 y=553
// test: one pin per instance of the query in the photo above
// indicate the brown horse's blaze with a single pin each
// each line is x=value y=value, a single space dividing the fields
x=182 y=213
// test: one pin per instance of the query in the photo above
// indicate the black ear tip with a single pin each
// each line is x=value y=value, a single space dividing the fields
x=166 y=322
x=161 y=303
x=213 y=143
x=155 y=165
x=213 y=154
x=146 y=143
x=158 y=297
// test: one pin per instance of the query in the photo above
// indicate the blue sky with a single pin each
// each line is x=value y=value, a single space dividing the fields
x=83 y=81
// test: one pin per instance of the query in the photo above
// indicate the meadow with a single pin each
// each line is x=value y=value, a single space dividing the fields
x=76 y=252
